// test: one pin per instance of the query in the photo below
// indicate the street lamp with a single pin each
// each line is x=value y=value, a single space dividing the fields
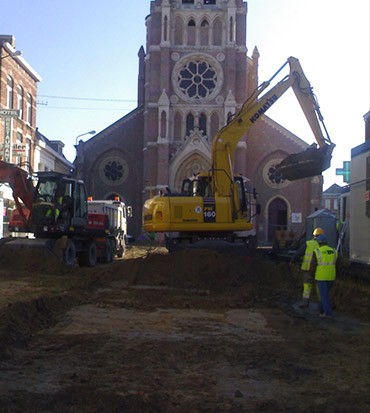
x=92 y=132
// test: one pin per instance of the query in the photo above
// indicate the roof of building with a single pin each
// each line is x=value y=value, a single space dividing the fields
x=334 y=189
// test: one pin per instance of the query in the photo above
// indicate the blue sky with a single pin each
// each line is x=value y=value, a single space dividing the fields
x=88 y=49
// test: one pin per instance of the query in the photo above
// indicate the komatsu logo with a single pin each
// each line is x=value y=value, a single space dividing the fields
x=269 y=102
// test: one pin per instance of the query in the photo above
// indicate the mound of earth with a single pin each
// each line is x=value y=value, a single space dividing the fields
x=193 y=331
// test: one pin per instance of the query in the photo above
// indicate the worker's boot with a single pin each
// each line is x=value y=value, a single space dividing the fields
x=305 y=303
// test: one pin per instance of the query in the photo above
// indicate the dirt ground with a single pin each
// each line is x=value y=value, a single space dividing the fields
x=190 y=332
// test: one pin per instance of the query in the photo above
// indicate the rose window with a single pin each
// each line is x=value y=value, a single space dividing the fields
x=197 y=79
x=272 y=176
x=113 y=170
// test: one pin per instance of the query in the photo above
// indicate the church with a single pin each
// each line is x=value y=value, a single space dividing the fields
x=193 y=74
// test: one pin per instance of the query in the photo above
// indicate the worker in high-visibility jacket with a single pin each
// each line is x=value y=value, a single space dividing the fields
x=306 y=250
x=323 y=269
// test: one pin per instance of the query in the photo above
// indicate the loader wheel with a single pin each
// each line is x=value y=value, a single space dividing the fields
x=69 y=253
x=89 y=257
x=109 y=251
x=121 y=249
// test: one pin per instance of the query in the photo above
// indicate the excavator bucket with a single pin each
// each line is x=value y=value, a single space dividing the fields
x=311 y=162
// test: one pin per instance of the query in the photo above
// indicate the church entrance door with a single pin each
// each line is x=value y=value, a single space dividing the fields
x=277 y=217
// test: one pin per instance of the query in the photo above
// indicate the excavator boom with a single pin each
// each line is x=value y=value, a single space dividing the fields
x=225 y=142
x=22 y=186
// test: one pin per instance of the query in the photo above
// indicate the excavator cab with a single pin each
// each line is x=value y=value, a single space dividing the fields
x=198 y=185
x=311 y=162
x=60 y=203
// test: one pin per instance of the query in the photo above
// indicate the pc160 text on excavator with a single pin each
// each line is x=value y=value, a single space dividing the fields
x=216 y=208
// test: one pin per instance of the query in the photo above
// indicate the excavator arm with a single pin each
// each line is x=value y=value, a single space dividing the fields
x=225 y=142
x=21 y=184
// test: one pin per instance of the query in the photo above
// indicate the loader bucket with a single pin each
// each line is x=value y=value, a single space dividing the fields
x=308 y=163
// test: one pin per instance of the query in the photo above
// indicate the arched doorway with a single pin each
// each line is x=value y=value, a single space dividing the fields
x=277 y=217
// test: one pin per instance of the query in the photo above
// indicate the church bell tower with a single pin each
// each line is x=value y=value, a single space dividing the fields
x=195 y=78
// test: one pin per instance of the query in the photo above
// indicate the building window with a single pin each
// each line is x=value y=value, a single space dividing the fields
x=189 y=124
x=29 y=109
x=20 y=100
x=177 y=127
x=217 y=33
x=9 y=92
x=165 y=28
x=197 y=79
x=187 y=1
x=209 y=2
x=191 y=33
x=163 y=125
x=113 y=170
x=215 y=125
x=231 y=34
x=327 y=204
x=203 y=123
x=204 y=33
x=179 y=29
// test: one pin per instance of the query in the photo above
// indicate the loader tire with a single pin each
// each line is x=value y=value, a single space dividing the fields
x=121 y=249
x=89 y=257
x=109 y=251
x=69 y=253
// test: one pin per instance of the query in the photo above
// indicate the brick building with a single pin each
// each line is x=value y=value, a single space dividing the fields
x=18 y=91
x=193 y=74
x=20 y=141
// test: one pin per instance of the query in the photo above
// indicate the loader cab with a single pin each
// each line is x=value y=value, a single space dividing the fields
x=60 y=203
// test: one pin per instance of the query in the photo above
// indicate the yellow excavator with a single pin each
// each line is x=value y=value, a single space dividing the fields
x=215 y=208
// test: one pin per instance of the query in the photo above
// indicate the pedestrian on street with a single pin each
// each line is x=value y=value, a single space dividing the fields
x=323 y=269
x=306 y=250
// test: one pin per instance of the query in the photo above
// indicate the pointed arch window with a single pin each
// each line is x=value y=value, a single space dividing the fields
x=179 y=31
x=204 y=33
x=165 y=28
x=231 y=30
x=163 y=126
x=191 y=33
x=203 y=123
x=177 y=127
x=217 y=33
x=189 y=124
x=215 y=125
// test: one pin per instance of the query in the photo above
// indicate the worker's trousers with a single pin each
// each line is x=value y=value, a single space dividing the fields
x=307 y=285
x=325 y=304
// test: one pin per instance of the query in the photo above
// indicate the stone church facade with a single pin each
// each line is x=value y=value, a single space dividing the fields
x=193 y=74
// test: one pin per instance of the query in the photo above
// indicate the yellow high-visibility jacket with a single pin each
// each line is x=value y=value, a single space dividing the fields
x=326 y=262
x=311 y=245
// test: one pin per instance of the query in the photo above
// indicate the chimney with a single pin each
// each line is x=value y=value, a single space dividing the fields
x=7 y=38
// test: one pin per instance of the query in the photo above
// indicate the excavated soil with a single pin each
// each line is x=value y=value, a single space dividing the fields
x=190 y=332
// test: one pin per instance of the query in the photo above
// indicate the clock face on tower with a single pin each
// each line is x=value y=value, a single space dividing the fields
x=197 y=77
